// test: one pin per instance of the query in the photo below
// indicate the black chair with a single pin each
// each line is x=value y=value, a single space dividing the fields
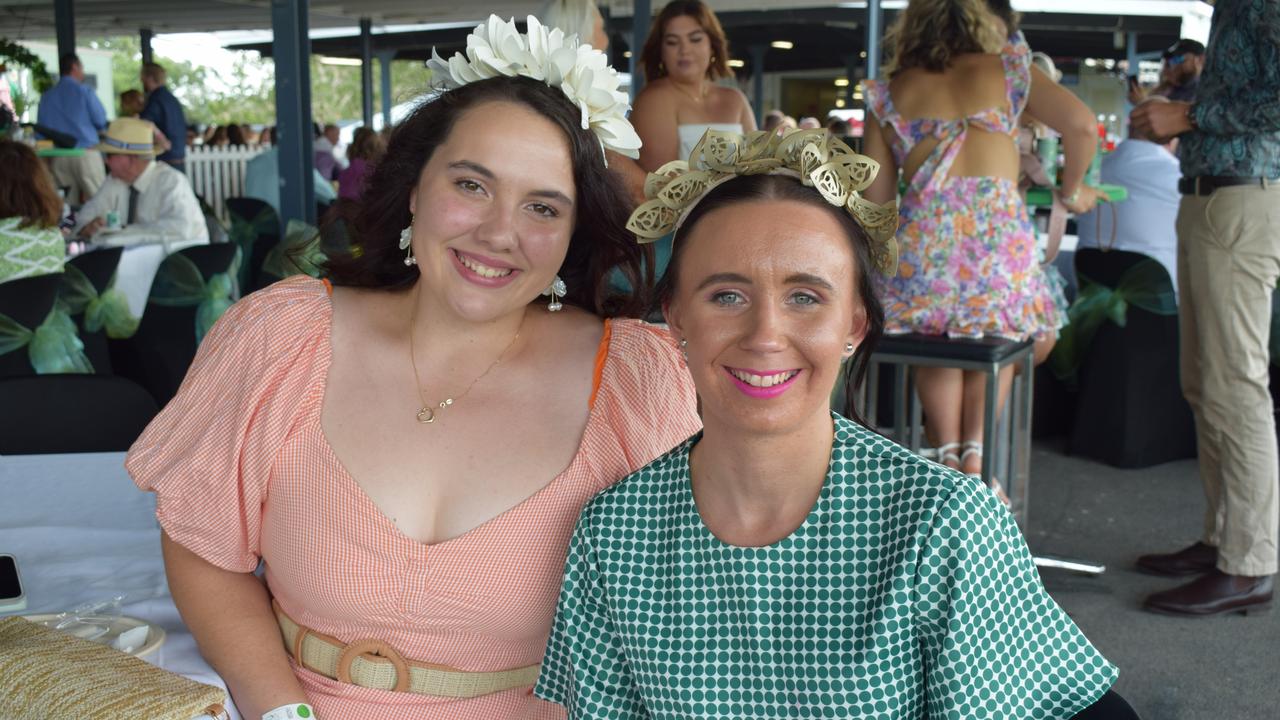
x=253 y=213
x=71 y=413
x=158 y=355
x=98 y=266
x=1130 y=412
x=1109 y=707
x=26 y=301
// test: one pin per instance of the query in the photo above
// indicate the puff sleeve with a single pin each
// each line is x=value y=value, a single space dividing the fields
x=208 y=455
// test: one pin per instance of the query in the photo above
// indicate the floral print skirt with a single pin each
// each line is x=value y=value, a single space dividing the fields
x=969 y=266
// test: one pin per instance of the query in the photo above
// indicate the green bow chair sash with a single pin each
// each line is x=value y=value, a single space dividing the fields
x=244 y=232
x=53 y=348
x=299 y=253
x=108 y=310
x=179 y=283
x=1145 y=285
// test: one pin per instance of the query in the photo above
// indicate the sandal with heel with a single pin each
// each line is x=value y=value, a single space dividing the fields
x=973 y=447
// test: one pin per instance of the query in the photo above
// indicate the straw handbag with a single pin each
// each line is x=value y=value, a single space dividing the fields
x=47 y=674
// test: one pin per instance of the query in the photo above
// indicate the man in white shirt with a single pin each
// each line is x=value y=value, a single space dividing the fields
x=152 y=201
x=1144 y=222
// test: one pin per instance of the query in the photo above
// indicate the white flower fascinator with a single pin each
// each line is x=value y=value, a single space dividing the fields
x=496 y=49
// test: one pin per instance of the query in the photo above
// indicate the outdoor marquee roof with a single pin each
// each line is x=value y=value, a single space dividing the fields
x=1087 y=27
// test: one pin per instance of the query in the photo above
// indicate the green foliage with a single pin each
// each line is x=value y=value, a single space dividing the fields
x=19 y=55
x=246 y=94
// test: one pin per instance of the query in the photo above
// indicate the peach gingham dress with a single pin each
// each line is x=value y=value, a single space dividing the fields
x=242 y=473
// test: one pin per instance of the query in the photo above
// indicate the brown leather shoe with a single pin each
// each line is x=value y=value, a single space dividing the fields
x=1215 y=592
x=1195 y=560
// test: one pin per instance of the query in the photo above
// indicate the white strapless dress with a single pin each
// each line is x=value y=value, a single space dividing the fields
x=692 y=133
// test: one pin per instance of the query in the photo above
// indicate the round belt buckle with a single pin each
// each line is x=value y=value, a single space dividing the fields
x=374 y=649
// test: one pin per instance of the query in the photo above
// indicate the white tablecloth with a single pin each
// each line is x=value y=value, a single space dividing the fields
x=82 y=532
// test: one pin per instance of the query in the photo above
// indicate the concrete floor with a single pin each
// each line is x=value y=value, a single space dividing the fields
x=1223 y=668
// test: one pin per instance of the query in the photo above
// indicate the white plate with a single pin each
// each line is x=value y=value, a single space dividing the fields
x=118 y=626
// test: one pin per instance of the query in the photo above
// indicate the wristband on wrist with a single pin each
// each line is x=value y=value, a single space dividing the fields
x=1073 y=197
x=292 y=711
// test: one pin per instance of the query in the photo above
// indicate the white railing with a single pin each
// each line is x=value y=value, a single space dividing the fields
x=217 y=173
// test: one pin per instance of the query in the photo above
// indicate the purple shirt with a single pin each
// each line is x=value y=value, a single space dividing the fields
x=352 y=181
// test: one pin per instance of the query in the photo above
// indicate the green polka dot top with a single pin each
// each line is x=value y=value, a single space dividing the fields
x=908 y=592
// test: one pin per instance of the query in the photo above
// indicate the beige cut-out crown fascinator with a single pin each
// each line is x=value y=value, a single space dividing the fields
x=496 y=49
x=813 y=157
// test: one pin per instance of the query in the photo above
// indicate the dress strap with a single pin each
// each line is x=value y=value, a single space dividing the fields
x=602 y=354
x=934 y=169
x=1016 y=59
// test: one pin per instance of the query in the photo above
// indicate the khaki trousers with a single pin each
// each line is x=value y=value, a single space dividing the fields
x=1228 y=264
x=83 y=175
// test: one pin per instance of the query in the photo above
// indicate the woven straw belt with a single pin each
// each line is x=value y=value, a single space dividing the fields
x=375 y=664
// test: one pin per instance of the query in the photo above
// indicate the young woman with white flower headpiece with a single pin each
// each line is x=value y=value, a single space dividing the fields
x=405 y=449
x=787 y=562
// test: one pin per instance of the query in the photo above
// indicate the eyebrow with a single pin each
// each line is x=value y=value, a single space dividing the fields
x=793 y=279
x=691 y=33
x=486 y=173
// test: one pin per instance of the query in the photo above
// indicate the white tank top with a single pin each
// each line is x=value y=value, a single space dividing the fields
x=692 y=133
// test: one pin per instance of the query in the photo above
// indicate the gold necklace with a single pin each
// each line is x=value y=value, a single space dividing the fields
x=426 y=415
x=702 y=87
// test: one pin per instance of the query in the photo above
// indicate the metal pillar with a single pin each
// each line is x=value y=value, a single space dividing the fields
x=757 y=81
x=293 y=109
x=366 y=71
x=874 y=19
x=384 y=61
x=145 y=35
x=640 y=19
x=64 y=19
x=851 y=63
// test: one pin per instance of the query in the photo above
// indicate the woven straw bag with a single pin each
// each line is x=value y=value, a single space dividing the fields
x=47 y=674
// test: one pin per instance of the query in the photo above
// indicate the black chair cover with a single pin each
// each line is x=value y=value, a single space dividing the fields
x=158 y=355
x=99 y=266
x=1130 y=411
x=1109 y=707
x=71 y=413
x=27 y=302
x=245 y=209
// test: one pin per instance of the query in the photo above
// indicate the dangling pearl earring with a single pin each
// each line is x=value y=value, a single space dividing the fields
x=684 y=345
x=556 y=290
x=406 y=243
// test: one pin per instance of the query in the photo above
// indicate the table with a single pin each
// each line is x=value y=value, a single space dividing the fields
x=82 y=532
x=1043 y=196
x=60 y=152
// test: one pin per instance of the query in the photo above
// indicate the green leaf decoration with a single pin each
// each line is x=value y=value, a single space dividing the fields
x=1145 y=285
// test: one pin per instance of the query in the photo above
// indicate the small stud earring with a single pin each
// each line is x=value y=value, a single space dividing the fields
x=406 y=243
x=848 y=347
x=556 y=290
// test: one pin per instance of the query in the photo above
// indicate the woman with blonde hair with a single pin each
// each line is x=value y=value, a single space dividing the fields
x=959 y=78
x=685 y=54
x=577 y=17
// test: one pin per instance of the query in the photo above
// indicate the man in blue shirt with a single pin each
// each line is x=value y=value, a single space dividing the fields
x=1228 y=264
x=165 y=111
x=73 y=108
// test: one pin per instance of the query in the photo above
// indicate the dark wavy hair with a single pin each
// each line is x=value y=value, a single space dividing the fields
x=651 y=55
x=755 y=188
x=599 y=245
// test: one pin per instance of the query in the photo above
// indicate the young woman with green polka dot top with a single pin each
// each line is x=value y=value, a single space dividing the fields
x=786 y=562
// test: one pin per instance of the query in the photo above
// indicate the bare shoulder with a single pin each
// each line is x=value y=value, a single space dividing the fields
x=571 y=333
x=658 y=93
x=369 y=312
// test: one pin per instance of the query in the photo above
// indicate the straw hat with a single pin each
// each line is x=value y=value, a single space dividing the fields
x=129 y=136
